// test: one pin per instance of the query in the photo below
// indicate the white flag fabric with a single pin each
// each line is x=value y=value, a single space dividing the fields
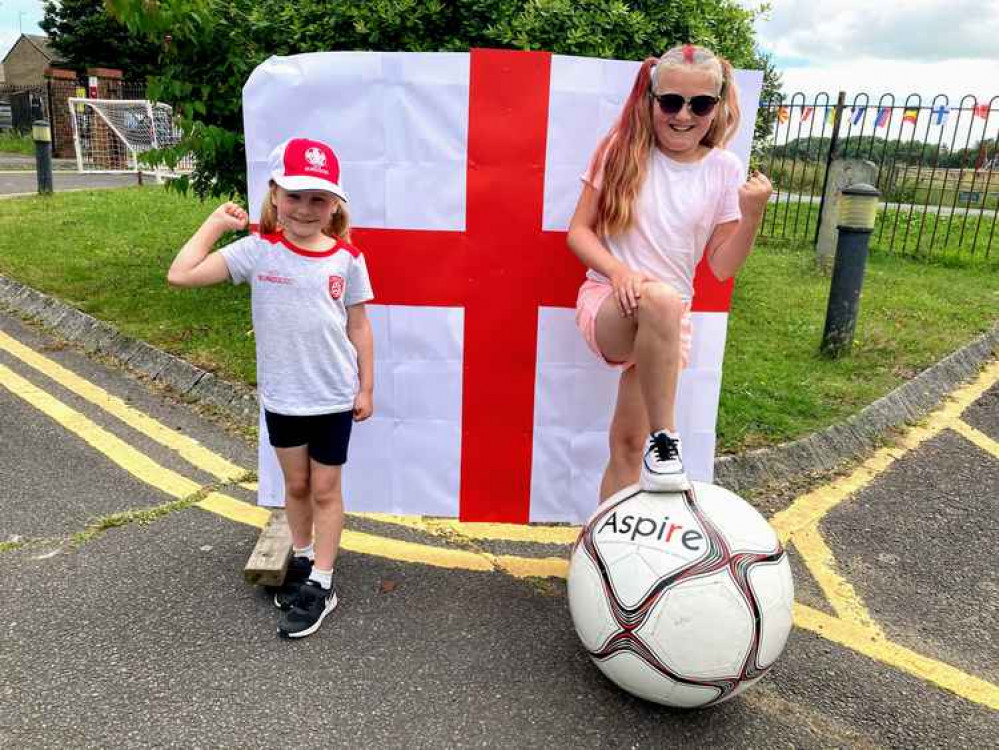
x=462 y=171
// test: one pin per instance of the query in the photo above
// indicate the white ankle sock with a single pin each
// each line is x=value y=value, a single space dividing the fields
x=309 y=552
x=323 y=577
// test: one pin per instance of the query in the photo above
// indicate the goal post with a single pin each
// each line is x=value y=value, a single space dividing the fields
x=110 y=135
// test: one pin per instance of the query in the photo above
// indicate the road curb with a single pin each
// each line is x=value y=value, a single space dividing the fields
x=819 y=451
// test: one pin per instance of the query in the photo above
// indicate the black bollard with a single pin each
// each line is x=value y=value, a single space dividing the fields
x=41 y=134
x=858 y=205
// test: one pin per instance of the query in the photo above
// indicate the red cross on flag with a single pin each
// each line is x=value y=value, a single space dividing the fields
x=463 y=171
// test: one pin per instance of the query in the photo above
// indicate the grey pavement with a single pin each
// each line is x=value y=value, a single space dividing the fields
x=26 y=162
x=14 y=182
x=946 y=209
x=146 y=636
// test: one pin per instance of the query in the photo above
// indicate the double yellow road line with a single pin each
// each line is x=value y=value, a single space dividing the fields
x=852 y=626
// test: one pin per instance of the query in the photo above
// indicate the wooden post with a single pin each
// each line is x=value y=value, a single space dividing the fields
x=268 y=562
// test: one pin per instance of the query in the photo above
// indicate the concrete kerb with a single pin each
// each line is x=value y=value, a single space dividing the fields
x=820 y=451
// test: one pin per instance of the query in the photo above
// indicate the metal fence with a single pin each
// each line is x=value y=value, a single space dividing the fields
x=937 y=168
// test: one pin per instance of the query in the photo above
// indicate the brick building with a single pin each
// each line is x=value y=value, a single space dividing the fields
x=26 y=61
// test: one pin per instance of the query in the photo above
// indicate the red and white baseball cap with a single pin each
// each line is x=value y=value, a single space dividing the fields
x=303 y=164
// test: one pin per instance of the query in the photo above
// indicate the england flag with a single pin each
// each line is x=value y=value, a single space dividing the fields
x=463 y=170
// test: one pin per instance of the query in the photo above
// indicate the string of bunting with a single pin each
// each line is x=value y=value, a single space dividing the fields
x=910 y=115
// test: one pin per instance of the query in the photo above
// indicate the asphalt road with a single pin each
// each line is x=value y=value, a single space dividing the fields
x=143 y=634
x=15 y=182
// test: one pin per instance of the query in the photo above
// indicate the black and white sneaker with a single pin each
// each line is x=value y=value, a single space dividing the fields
x=308 y=610
x=662 y=467
x=299 y=569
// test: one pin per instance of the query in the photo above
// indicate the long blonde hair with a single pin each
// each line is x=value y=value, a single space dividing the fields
x=624 y=152
x=338 y=227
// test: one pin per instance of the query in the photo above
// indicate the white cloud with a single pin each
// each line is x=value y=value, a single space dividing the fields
x=914 y=30
x=924 y=47
x=953 y=78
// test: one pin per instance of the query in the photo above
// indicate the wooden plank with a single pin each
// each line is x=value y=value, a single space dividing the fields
x=269 y=560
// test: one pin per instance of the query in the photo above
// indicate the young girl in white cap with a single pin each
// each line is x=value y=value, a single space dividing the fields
x=660 y=193
x=315 y=351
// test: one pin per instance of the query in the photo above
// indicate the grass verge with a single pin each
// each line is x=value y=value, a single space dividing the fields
x=12 y=142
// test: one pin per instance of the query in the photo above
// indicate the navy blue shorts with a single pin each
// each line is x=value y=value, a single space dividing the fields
x=326 y=435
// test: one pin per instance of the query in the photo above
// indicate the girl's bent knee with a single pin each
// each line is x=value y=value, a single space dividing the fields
x=660 y=301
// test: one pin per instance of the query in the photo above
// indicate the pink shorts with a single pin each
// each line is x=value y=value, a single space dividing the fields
x=592 y=295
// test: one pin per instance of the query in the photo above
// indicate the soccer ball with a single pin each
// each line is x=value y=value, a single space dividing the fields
x=682 y=599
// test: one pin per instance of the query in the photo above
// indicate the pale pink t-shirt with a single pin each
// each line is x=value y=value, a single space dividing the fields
x=677 y=209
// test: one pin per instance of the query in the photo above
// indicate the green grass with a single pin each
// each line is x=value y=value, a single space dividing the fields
x=959 y=239
x=14 y=143
x=107 y=252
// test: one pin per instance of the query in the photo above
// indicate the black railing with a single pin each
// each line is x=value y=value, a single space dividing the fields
x=937 y=168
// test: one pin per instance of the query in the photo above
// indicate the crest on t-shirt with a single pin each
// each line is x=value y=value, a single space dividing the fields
x=336 y=286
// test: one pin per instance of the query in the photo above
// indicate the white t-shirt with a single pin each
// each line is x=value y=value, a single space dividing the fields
x=305 y=362
x=678 y=207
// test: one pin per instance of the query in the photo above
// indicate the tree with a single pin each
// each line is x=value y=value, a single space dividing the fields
x=210 y=47
x=86 y=36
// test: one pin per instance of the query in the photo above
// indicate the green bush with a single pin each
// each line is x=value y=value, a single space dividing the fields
x=210 y=47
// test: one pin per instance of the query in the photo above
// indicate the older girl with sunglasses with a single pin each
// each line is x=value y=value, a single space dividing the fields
x=661 y=192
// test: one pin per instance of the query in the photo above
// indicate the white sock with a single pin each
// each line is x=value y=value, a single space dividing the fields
x=309 y=552
x=323 y=577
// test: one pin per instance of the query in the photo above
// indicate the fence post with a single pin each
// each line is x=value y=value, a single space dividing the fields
x=61 y=84
x=832 y=154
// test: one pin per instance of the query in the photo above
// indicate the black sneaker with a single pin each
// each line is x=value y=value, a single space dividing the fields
x=308 y=611
x=299 y=569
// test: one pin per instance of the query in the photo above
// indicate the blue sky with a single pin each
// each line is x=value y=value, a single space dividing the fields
x=885 y=46
x=27 y=13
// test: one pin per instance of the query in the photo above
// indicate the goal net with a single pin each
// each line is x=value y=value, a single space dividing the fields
x=110 y=135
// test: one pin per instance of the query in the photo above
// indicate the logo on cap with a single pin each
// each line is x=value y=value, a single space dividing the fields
x=316 y=158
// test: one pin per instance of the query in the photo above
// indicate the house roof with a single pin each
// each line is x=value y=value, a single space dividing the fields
x=39 y=41
x=42 y=43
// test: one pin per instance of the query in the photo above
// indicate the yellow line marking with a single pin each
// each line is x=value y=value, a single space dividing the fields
x=812 y=506
x=235 y=510
x=980 y=439
x=118 y=451
x=175 y=485
x=395 y=549
x=876 y=646
x=508 y=532
x=840 y=593
x=528 y=567
x=854 y=628
x=197 y=455
x=186 y=447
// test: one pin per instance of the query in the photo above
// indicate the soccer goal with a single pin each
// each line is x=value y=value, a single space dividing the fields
x=111 y=134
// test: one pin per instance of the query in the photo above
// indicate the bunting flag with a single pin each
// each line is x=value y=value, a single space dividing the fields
x=806 y=114
x=487 y=402
x=939 y=114
x=884 y=114
x=783 y=115
x=858 y=113
x=830 y=115
x=910 y=115
x=982 y=110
